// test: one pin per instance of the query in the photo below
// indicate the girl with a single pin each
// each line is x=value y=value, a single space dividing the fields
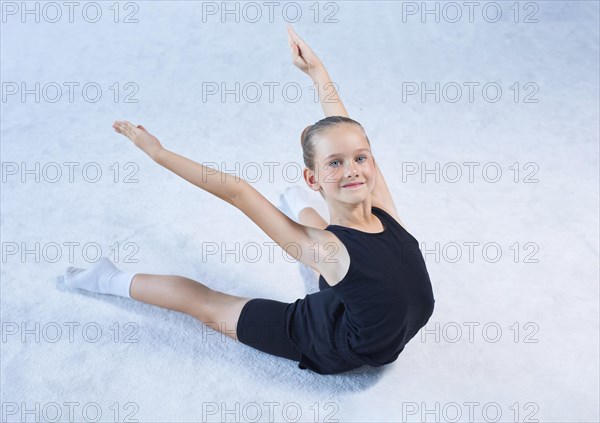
x=375 y=293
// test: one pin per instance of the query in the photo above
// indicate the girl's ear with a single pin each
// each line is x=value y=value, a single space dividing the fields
x=309 y=177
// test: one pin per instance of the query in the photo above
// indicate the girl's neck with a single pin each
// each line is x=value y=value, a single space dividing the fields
x=359 y=216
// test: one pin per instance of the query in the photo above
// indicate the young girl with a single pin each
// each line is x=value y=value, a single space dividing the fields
x=375 y=293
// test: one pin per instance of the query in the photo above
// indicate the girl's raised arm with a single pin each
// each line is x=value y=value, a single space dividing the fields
x=314 y=247
x=308 y=62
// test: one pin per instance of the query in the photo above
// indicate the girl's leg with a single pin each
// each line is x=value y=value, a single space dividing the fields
x=304 y=206
x=310 y=217
x=216 y=309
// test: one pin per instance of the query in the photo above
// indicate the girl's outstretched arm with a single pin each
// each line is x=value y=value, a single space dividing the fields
x=311 y=246
x=308 y=62
x=223 y=185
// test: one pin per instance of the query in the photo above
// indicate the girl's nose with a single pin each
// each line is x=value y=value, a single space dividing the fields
x=351 y=170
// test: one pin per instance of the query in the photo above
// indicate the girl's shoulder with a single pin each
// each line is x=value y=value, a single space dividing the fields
x=387 y=208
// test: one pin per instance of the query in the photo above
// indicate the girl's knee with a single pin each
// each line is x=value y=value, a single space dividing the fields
x=222 y=312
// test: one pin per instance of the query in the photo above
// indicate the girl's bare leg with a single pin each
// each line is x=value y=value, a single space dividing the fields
x=216 y=309
x=310 y=217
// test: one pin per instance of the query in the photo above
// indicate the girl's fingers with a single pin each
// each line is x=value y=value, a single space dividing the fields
x=295 y=51
x=297 y=39
x=127 y=128
x=292 y=33
x=291 y=42
x=304 y=46
x=121 y=127
x=298 y=43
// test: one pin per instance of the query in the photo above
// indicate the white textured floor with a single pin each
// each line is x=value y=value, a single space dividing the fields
x=513 y=258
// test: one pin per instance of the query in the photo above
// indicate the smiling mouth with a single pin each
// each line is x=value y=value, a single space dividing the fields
x=353 y=185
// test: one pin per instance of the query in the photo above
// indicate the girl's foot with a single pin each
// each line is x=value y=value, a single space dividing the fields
x=298 y=198
x=102 y=277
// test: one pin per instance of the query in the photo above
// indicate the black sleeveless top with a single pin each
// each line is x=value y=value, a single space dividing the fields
x=387 y=293
x=372 y=313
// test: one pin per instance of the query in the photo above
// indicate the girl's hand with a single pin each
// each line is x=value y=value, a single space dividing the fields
x=302 y=55
x=148 y=143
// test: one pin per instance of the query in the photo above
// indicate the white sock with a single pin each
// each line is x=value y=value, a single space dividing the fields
x=298 y=198
x=102 y=277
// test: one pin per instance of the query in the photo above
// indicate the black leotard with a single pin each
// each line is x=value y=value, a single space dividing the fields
x=371 y=314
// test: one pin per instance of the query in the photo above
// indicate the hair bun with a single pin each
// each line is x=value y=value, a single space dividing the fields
x=304 y=133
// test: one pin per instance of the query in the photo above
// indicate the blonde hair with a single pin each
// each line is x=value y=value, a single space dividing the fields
x=309 y=134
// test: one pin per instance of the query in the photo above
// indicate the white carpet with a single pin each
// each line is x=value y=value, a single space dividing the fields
x=156 y=365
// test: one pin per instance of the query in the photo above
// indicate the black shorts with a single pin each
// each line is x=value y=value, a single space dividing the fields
x=264 y=324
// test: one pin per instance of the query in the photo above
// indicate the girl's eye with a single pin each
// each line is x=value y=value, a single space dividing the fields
x=337 y=161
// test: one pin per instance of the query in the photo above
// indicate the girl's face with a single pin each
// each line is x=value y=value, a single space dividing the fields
x=343 y=157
